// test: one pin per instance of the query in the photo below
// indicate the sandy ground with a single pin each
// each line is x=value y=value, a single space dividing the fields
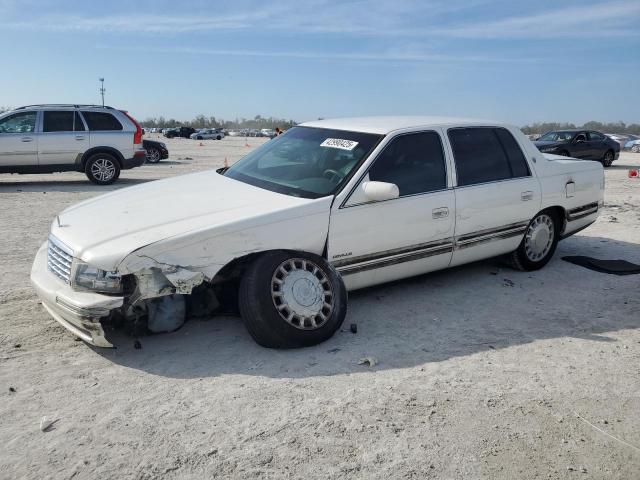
x=483 y=370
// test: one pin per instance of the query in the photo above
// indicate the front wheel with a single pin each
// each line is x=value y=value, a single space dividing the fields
x=607 y=160
x=102 y=169
x=635 y=149
x=291 y=299
x=538 y=245
x=153 y=155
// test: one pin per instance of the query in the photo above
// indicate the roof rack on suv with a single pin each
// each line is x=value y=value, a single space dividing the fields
x=64 y=105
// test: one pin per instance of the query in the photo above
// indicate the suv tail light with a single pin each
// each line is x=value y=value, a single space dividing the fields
x=137 y=137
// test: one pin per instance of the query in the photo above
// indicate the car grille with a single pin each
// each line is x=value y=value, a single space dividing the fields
x=59 y=259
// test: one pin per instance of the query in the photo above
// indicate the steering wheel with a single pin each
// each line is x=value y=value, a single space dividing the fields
x=331 y=174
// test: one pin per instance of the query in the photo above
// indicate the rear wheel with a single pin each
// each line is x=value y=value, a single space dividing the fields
x=102 y=169
x=198 y=137
x=291 y=299
x=635 y=148
x=539 y=243
x=607 y=160
x=218 y=137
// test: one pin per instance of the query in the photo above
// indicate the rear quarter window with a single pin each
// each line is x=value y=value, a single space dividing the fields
x=101 y=121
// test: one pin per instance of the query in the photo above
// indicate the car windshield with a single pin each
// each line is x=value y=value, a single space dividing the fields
x=305 y=162
x=556 y=137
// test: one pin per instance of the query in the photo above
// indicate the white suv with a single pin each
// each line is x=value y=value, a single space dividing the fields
x=99 y=141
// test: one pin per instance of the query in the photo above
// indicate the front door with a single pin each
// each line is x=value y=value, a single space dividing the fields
x=496 y=195
x=19 y=140
x=372 y=242
x=581 y=147
x=63 y=138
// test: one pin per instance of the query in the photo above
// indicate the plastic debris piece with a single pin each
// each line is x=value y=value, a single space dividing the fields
x=368 y=361
x=45 y=424
x=137 y=345
x=166 y=314
x=354 y=328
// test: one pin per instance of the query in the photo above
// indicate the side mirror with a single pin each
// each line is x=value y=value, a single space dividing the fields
x=379 y=191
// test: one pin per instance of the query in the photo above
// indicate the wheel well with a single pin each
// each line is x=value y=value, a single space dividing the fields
x=559 y=214
x=111 y=151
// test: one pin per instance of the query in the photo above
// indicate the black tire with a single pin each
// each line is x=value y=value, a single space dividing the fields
x=102 y=169
x=523 y=258
x=218 y=137
x=198 y=137
x=607 y=160
x=153 y=155
x=258 y=295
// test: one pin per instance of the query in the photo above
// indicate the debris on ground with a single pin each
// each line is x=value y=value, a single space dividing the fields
x=333 y=350
x=12 y=389
x=137 y=345
x=46 y=424
x=354 y=328
x=508 y=283
x=368 y=361
x=17 y=345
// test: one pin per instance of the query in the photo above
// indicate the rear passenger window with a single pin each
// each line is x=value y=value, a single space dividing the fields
x=414 y=162
x=486 y=155
x=57 y=121
x=78 y=126
x=519 y=167
x=101 y=121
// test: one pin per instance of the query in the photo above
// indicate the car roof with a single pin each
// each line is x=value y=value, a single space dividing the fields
x=387 y=124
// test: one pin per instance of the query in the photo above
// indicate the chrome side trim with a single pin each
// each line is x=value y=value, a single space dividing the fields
x=487 y=235
x=392 y=257
x=583 y=211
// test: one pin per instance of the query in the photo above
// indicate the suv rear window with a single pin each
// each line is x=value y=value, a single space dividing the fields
x=484 y=154
x=101 y=121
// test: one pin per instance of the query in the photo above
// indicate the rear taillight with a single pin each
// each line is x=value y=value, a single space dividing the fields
x=137 y=137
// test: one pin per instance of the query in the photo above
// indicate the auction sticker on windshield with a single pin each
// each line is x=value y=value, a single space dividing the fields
x=339 y=143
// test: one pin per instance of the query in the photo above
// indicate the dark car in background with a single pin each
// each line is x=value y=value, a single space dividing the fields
x=156 y=151
x=583 y=144
x=183 y=132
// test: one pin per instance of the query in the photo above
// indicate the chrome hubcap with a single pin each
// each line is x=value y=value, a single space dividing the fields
x=302 y=294
x=103 y=169
x=153 y=155
x=539 y=238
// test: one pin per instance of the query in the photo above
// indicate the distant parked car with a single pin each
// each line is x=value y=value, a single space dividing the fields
x=208 y=134
x=633 y=144
x=99 y=141
x=583 y=144
x=156 y=151
x=183 y=132
x=268 y=132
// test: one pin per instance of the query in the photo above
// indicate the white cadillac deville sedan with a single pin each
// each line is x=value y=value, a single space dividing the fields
x=327 y=207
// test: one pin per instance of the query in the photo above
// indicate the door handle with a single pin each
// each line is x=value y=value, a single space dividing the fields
x=79 y=137
x=27 y=139
x=526 y=196
x=441 y=212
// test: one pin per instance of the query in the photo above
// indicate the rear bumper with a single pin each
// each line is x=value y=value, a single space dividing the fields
x=78 y=312
x=139 y=157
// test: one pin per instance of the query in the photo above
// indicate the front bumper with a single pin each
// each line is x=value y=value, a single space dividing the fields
x=78 y=312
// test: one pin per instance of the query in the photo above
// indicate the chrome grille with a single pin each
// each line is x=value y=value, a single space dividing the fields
x=59 y=259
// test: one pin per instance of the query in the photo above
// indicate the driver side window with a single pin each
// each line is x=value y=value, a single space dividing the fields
x=23 y=122
x=414 y=162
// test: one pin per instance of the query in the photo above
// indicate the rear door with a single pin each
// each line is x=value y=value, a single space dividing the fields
x=19 y=139
x=598 y=145
x=63 y=139
x=496 y=194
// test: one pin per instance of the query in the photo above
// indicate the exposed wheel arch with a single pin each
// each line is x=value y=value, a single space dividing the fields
x=92 y=151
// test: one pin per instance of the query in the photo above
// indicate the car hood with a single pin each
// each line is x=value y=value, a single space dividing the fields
x=104 y=229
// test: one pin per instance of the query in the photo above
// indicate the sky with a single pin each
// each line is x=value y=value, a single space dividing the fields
x=518 y=62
